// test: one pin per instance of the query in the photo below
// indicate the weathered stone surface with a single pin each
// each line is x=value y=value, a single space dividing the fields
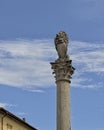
x=63 y=106
x=63 y=69
x=61 y=44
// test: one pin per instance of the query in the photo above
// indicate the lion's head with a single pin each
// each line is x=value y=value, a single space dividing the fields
x=61 y=37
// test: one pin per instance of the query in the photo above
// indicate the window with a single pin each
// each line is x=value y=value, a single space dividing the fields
x=9 y=127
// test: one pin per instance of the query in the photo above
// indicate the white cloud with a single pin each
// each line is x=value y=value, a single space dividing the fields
x=25 y=64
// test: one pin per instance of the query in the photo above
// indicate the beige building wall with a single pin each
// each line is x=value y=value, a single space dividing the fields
x=9 y=123
x=0 y=121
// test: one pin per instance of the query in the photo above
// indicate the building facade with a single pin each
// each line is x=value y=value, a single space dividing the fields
x=9 y=121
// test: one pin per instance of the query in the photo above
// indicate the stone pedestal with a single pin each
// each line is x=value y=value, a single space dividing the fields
x=63 y=71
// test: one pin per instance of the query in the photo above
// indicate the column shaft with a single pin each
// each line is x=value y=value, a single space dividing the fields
x=63 y=106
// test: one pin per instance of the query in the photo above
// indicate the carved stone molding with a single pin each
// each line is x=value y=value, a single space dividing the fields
x=62 y=70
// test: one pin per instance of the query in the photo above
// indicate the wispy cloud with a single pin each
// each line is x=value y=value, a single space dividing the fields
x=4 y=105
x=9 y=105
x=25 y=64
x=88 y=59
x=20 y=113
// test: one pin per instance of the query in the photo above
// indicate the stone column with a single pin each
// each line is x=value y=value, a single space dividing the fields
x=62 y=68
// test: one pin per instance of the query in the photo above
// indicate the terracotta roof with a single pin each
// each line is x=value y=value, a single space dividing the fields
x=4 y=111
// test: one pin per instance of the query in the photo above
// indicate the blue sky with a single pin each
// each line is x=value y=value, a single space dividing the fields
x=27 y=86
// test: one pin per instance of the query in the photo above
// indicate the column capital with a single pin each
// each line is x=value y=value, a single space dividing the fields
x=62 y=69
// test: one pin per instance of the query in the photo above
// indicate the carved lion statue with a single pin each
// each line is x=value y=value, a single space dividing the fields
x=61 y=44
